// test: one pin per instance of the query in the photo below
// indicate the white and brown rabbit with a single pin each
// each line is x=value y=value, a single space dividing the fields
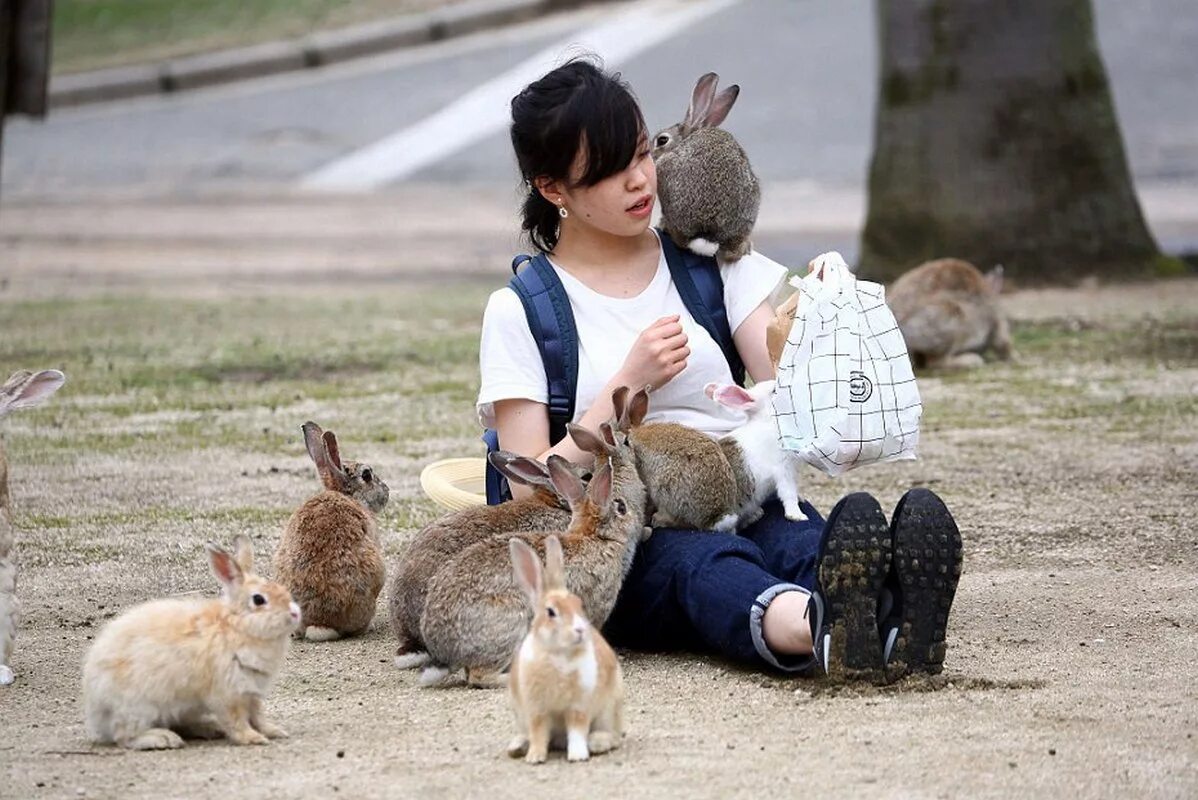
x=565 y=683
x=474 y=615
x=22 y=390
x=196 y=666
x=708 y=191
x=949 y=313
x=329 y=557
x=444 y=538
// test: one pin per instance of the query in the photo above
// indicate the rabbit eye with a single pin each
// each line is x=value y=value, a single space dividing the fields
x=621 y=508
x=662 y=140
x=367 y=475
x=551 y=611
x=257 y=599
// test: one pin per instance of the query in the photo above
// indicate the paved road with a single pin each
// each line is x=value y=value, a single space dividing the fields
x=807 y=68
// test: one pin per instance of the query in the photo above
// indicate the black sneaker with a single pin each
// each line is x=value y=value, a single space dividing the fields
x=927 y=566
x=854 y=561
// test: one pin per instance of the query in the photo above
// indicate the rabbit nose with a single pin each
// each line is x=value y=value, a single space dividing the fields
x=295 y=611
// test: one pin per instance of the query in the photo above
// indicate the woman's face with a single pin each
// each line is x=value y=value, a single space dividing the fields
x=620 y=204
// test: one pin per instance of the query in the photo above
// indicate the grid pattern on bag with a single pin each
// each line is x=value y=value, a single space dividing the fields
x=846 y=394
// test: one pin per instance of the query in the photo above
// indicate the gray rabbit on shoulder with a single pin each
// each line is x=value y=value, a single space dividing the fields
x=709 y=194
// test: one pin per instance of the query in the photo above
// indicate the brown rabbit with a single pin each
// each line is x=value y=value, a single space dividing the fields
x=444 y=538
x=474 y=615
x=949 y=313
x=565 y=684
x=329 y=557
x=688 y=477
x=22 y=390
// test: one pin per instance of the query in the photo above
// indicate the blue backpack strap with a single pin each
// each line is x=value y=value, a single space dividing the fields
x=701 y=287
x=551 y=321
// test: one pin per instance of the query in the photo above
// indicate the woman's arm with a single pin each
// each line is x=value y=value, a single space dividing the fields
x=750 y=342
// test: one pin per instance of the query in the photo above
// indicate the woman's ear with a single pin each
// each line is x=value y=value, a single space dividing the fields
x=549 y=188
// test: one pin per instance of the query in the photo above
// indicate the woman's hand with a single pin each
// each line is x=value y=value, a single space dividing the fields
x=657 y=355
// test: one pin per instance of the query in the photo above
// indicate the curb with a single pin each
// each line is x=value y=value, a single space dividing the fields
x=316 y=50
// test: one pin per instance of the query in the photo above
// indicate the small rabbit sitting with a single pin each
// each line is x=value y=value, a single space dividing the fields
x=565 y=682
x=444 y=538
x=708 y=191
x=22 y=390
x=949 y=313
x=197 y=666
x=329 y=557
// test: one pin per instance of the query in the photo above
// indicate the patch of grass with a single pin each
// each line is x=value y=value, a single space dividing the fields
x=96 y=33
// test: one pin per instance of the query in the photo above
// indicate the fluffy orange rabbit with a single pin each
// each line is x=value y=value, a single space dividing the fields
x=201 y=667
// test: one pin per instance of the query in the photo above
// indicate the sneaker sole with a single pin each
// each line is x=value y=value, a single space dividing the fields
x=928 y=555
x=852 y=569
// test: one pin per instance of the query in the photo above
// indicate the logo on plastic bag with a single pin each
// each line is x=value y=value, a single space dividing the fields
x=860 y=387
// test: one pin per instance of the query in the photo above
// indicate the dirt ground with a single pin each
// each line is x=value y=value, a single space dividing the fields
x=1073 y=473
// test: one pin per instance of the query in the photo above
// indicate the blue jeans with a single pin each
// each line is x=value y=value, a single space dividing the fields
x=701 y=590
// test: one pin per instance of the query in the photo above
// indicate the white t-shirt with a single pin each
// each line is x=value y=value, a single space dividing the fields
x=511 y=364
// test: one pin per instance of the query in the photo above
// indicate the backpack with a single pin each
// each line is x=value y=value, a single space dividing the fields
x=551 y=322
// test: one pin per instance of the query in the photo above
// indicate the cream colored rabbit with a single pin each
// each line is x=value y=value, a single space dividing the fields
x=565 y=683
x=201 y=667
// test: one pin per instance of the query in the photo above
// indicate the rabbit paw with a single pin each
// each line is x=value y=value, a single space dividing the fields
x=601 y=742
x=270 y=730
x=518 y=746
x=316 y=633
x=248 y=736
x=155 y=739
x=6 y=676
x=794 y=514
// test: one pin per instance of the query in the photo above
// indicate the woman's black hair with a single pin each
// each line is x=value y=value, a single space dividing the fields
x=576 y=106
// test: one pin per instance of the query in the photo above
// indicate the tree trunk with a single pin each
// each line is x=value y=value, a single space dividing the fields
x=996 y=141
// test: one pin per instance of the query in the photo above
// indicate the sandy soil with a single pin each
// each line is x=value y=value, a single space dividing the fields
x=1073 y=473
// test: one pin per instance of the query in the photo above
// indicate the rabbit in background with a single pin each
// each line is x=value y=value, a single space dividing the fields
x=949 y=313
x=709 y=194
x=22 y=390
x=329 y=556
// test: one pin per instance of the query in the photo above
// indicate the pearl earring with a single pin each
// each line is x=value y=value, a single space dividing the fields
x=562 y=212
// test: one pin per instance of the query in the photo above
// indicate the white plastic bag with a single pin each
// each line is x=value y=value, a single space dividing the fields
x=846 y=394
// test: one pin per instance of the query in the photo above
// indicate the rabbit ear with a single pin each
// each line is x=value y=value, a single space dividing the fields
x=638 y=407
x=994 y=279
x=720 y=106
x=330 y=446
x=619 y=404
x=527 y=569
x=565 y=482
x=225 y=568
x=331 y=475
x=700 y=101
x=243 y=553
x=600 y=486
x=555 y=565
x=24 y=389
x=520 y=469
x=588 y=441
x=734 y=397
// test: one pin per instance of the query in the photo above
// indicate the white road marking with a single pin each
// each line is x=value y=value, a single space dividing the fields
x=485 y=110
